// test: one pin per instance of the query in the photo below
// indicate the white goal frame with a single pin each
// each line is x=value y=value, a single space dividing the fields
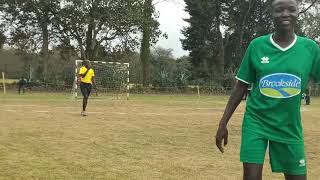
x=77 y=62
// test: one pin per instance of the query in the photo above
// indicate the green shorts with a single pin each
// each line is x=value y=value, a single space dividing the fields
x=285 y=158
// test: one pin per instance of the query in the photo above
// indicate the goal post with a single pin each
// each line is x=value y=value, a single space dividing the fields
x=112 y=79
x=3 y=82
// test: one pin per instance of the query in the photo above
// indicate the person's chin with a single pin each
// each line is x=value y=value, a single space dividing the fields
x=287 y=28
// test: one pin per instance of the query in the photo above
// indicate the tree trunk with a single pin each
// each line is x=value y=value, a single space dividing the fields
x=89 y=42
x=220 y=55
x=145 y=56
x=220 y=46
x=243 y=22
x=82 y=50
x=45 y=49
x=89 y=39
x=145 y=43
x=2 y=40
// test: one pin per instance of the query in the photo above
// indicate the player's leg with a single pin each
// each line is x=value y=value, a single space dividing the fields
x=85 y=100
x=84 y=92
x=252 y=153
x=89 y=89
x=307 y=99
x=289 y=159
x=295 y=177
x=84 y=103
x=252 y=171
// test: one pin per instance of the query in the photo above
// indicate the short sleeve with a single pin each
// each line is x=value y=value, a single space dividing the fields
x=246 y=71
x=315 y=72
x=82 y=70
x=93 y=72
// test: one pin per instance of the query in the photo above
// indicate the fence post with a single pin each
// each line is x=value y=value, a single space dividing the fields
x=198 y=90
x=4 y=83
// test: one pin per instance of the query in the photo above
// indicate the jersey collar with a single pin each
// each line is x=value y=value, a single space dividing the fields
x=281 y=48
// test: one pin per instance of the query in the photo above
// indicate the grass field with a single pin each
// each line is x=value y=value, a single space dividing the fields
x=10 y=81
x=42 y=136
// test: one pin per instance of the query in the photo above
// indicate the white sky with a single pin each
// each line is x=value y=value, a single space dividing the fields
x=171 y=22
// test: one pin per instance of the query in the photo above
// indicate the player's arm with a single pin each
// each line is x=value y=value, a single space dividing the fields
x=233 y=102
x=78 y=79
x=94 y=85
x=93 y=80
x=79 y=75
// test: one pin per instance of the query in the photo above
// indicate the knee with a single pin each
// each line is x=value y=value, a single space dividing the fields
x=252 y=172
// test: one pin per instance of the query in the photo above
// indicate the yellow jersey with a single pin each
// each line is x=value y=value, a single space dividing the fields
x=89 y=75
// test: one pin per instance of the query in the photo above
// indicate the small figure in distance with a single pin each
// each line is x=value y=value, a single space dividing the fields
x=22 y=84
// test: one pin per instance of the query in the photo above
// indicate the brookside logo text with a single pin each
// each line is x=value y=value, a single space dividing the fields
x=280 y=85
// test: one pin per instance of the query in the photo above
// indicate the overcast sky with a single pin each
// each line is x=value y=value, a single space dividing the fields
x=171 y=22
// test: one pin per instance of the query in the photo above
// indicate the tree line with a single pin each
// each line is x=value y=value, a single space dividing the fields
x=50 y=35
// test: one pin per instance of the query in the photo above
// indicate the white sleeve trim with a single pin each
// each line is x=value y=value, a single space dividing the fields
x=242 y=80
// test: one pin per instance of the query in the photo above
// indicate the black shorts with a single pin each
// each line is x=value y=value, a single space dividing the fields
x=85 y=89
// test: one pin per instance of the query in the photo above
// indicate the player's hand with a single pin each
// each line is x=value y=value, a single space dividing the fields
x=222 y=135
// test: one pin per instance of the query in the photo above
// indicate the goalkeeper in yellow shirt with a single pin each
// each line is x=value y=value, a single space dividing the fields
x=86 y=80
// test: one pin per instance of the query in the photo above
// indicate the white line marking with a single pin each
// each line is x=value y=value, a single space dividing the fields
x=23 y=105
x=89 y=112
x=10 y=110
x=41 y=111
x=303 y=109
x=120 y=113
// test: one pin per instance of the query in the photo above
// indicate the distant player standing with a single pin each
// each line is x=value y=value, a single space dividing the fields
x=307 y=96
x=86 y=77
x=22 y=83
x=278 y=66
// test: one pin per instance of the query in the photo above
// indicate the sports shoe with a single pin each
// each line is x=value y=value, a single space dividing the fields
x=83 y=113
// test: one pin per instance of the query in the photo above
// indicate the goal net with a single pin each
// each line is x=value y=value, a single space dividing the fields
x=112 y=79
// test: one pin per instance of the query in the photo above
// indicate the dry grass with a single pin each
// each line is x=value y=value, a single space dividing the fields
x=10 y=81
x=158 y=137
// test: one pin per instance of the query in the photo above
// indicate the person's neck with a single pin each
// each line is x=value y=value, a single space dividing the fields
x=284 y=37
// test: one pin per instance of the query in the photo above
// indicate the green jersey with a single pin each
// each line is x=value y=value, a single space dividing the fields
x=278 y=77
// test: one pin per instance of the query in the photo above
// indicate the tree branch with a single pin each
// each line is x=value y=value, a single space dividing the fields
x=305 y=10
